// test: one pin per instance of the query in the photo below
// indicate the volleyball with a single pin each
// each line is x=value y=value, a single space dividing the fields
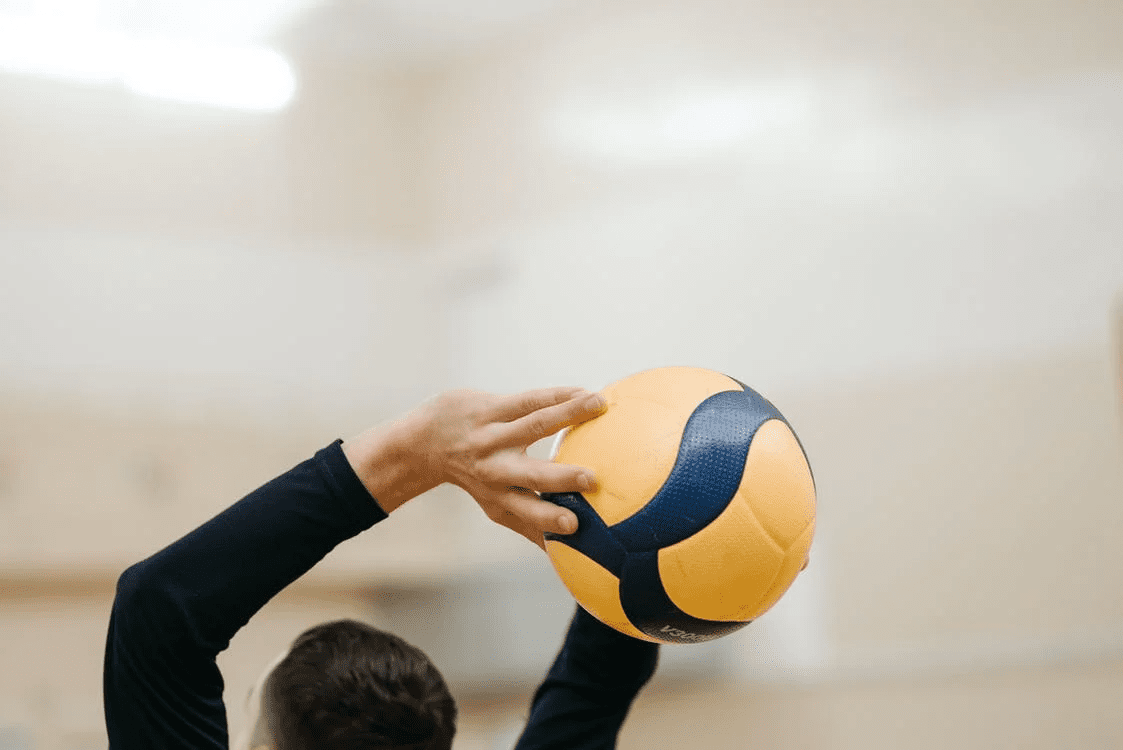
x=704 y=509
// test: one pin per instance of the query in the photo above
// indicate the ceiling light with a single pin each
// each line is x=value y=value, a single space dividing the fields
x=247 y=77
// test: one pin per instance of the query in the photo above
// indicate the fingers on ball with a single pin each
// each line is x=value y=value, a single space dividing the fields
x=541 y=514
x=545 y=422
x=510 y=408
x=544 y=476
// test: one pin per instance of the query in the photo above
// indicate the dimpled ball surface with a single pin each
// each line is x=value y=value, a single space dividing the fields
x=704 y=511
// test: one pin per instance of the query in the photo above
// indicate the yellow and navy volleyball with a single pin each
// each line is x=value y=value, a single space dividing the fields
x=703 y=513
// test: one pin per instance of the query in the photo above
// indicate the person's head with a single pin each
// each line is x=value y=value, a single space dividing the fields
x=347 y=686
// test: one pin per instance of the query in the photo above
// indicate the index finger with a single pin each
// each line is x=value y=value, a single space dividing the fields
x=545 y=422
x=509 y=408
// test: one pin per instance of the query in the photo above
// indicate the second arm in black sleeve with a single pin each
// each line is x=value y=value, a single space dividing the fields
x=582 y=703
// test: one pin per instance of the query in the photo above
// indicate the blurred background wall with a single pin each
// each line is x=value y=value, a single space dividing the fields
x=899 y=222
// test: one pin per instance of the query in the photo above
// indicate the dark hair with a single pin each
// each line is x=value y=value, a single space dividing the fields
x=348 y=686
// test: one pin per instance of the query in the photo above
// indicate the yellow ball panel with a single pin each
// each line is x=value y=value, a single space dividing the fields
x=688 y=386
x=595 y=589
x=631 y=447
x=793 y=563
x=721 y=572
x=777 y=483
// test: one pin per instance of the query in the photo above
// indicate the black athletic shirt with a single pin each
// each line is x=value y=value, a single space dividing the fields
x=175 y=612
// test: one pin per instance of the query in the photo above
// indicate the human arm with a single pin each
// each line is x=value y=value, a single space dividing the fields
x=586 y=696
x=175 y=611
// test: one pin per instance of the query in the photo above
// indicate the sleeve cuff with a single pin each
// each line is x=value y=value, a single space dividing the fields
x=363 y=508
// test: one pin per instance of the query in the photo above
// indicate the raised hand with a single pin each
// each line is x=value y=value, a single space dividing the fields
x=478 y=442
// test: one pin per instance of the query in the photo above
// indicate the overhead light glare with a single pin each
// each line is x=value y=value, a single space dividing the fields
x=236 y=77
x=679 y=124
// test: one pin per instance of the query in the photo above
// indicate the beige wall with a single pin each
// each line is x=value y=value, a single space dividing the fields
x=970 y=516
x=1072 y=706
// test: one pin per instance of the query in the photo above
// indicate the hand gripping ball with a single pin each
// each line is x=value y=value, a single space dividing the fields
x=704 y=510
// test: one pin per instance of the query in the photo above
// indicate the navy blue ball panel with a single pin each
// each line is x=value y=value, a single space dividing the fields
x=706 y=474
x=593 y=538
x=648 y=607
x=785 y=421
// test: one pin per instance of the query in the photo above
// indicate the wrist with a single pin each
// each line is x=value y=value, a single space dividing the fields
x=390 y=462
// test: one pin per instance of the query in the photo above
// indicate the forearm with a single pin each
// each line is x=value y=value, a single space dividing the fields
x=589 y=690
x=218 y=575
x=175 y=611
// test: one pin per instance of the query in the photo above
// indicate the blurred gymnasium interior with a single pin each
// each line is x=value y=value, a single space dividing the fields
x=231 y=232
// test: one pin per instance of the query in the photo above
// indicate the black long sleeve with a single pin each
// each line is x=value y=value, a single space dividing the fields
x=582 y=703
x=175 y=611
